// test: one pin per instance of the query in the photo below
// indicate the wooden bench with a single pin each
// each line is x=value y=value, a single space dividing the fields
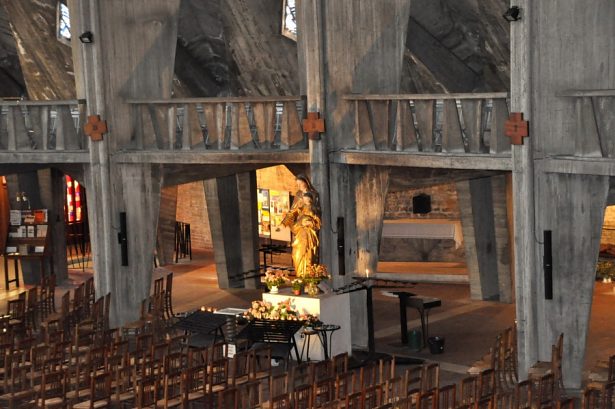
x=423 y=305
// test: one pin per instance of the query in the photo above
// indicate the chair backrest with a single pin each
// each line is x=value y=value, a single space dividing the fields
x=372 y=396
x=16 y=309
x=469 y=386
x=386 y=369
x=394 y=389
x=523 y=394
x=486 y=383
x=340 y=363
x=302 y=396
x=280 y=401
x=159 y=285
x=431 y=377
x=427 y=400
x=250 y=394
x=447 y=397
x=413 y=380
x=278 y=385
x=344 y=384
x=354 y=401
x=323 y=392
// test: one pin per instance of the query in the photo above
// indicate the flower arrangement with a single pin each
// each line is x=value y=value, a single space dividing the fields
x=275 y=278
x=284 y=310
x=315 y=274
x=296 y=285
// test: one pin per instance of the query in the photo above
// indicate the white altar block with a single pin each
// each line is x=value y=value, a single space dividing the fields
x=330 y=309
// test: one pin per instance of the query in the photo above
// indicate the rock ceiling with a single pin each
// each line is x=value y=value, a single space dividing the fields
x=233 y=47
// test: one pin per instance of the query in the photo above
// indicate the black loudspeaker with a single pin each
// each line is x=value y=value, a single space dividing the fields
x=421 y=204
x=341 y=260
x=547 y=263
x=122 y=238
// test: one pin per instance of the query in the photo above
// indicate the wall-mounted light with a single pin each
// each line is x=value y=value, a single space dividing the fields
x=87 y=37
x=512 y=14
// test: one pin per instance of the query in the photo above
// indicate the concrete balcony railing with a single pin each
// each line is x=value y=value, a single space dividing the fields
x=455 y=123
x=595 y=122
x=219 y=124
x=42 y=126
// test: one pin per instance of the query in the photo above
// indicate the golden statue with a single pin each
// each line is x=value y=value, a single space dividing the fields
x=303 y=219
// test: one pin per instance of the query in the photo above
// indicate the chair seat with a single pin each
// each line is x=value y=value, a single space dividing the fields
x=86 y=404
x=170 y=403
x=52 y=402
x=540 y=368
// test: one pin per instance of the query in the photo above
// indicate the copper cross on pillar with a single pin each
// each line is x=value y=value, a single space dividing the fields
x=516 y=128
x=95 y=128
x=313 y=125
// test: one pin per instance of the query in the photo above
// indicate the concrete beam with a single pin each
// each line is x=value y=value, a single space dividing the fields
x=424 y=160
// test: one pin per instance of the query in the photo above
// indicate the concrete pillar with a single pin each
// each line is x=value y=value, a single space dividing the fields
x=232 y=210
x=130 y=57
x=572 y=207
x=166 y=225
x=483 y=208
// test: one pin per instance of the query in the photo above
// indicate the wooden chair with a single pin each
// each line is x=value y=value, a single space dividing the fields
x=146 y=392
x=16 y=386
x=486 y=402
x=368 y=375
x=320 y=370
x=241 y=368
x=413 y=379
x=486 y=384
x=339 y=363
x=302 y=397
x=100 y=392
x=553 y=366
x=504 y=400
x=447 y=397
x=354 y=401
x=168 y=297
x=323 y=392
x=523 y=395
x=217 y=375
x=299 y=375
x=16 y=309
x=394 y=389
x=32 y=314
x=195 y=385
x=372 y=396
x=430 y=380
x=250 y=395
x=468 y=392
x=172 y=388
x=386 y=369
x=404 y=403
x=227 y=398
x=280 y=402
x=592 y=398
x=427 y=400
x=344 y=384
x=608 y=395
x=52 y=390
x=262 y=356
x=545 y=391
x=278 y=385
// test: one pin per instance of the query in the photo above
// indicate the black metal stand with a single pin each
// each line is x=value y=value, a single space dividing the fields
x=365 y=283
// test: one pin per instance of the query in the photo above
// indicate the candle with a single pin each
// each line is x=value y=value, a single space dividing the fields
x=367 y=272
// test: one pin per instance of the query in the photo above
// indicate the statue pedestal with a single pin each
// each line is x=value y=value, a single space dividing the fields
x=331 y=309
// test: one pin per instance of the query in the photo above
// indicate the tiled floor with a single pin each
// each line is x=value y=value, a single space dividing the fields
x=469 y=327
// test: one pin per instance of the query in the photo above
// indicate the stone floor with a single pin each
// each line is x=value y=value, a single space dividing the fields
x=469 y=327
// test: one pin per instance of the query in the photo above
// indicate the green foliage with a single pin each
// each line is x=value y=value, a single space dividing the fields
x=605 y=269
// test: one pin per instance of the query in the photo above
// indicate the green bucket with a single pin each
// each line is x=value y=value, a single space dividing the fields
x=415 y=340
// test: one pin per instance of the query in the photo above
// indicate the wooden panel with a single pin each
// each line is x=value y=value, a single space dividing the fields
x=472 y=115
x=264 y=118
x=243 y=125
x=149 y=138
x=604 y=107
x=364 y=137
x=451 y=128
x=405 y=134
x=192 y=136
x=425 y=119
x=81 y=136
x=12 y=127
x=157 y=128
x=215 y=120
x=161 y=120
x=499 y=142
x=292 y=133
x=587 y=139
x=68 y=128
x=379 y=119
x=137 y=121
x=171 y=124
x=36 y=133
x=234 y=126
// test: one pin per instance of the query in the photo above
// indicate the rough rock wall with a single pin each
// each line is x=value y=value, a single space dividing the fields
x=12 y=83
x=46 y=63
